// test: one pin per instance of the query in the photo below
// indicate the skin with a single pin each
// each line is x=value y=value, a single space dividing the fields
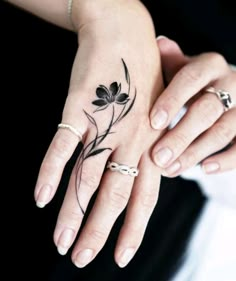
x=98 y=61
x=206 y=128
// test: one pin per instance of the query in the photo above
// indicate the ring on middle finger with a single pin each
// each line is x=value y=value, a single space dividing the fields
x=123 y=169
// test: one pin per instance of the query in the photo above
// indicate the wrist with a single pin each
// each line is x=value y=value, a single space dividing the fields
x=120 y=12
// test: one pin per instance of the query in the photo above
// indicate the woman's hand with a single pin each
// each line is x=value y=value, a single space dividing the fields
x=205 y=129
x=115 y=79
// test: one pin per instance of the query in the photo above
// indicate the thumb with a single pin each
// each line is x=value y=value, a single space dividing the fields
x=172 y=57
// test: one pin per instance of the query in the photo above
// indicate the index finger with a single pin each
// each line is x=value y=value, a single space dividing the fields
x=59 y=152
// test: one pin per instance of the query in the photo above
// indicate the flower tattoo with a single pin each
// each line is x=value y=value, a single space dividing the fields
x=107 y=97
x=121 y=104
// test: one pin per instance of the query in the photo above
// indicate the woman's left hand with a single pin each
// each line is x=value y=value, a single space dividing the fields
x=206 y=128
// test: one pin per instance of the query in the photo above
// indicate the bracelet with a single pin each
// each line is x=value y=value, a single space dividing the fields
x=69 y=10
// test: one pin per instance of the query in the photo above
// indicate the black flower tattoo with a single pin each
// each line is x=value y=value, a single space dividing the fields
x=121 y=104
x=107 y=97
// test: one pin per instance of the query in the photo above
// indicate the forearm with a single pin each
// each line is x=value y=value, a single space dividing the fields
x=56 y=11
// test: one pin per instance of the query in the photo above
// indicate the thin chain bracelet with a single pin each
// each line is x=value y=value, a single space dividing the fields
x=69 y=11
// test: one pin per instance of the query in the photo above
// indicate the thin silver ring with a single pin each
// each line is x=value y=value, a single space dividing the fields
x=223 y=96
x=123 y=169
x=71 y=129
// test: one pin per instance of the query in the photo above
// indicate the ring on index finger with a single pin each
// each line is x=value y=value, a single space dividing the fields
x=71 y=129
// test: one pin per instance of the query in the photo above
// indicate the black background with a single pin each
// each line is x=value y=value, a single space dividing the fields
x=35 y=64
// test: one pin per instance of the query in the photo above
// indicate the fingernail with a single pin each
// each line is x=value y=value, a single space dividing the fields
x=125 y=257
x=173 y=168
x=163 y=156
x=65 y=241
x=43 y=196
x=160 y=37
x=159 y=119
x=83 y=258
x=211 y=167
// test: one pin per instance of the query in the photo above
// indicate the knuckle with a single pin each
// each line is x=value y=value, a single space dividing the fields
x=172 y=102
x=190 y=159
x=118 y=200
x=89 y=180
x=208 y=108
x=96 y=235
x=180 y=141
x=190 y=75
x=216 y=58
x=61 y=147
x=223 y=132
x=75 y=216
x=149 y=200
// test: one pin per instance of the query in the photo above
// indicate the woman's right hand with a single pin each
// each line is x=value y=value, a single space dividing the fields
x=206 y=134
x=115 y=79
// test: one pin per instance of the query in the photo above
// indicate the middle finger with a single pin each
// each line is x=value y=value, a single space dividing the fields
x=111 y=200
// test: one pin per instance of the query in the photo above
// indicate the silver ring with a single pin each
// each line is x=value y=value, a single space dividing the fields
x=223 y=96
x=123 y=169
x=71 y=129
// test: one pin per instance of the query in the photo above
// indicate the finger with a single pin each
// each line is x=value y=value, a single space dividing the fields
x=201 y=115
x=221 y=162
x=141 y=204
x=112 y=198
x=191 y=79
x=213 y=140
x=84 y=181
x=60 y=150
x=172 y=57
x=58 y=154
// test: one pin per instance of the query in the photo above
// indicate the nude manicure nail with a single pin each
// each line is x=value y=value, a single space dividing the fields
x=126 y=257
x=43 y=196
x=173 y=168
x=160 y=37
x=163 y=156
x=65 y=241
x=83 y=258
x=159 y=119
x=211 y=167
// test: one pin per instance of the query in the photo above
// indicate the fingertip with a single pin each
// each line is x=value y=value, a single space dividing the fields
x=125 y=257
x=161 y=37
x=210 y=167
x=43 y=196
x=159 y=118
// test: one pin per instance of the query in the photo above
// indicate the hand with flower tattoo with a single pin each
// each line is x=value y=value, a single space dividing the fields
x=113 y=86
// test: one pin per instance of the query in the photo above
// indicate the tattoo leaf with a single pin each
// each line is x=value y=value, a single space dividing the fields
x=95 y=152
x=129 y=108
x=90 y=118
x=127 y=77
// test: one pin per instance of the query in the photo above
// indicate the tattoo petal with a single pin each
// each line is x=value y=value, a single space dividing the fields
x=122 y=98
x=102 y=93
x=99 y=102
x=114 y=89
